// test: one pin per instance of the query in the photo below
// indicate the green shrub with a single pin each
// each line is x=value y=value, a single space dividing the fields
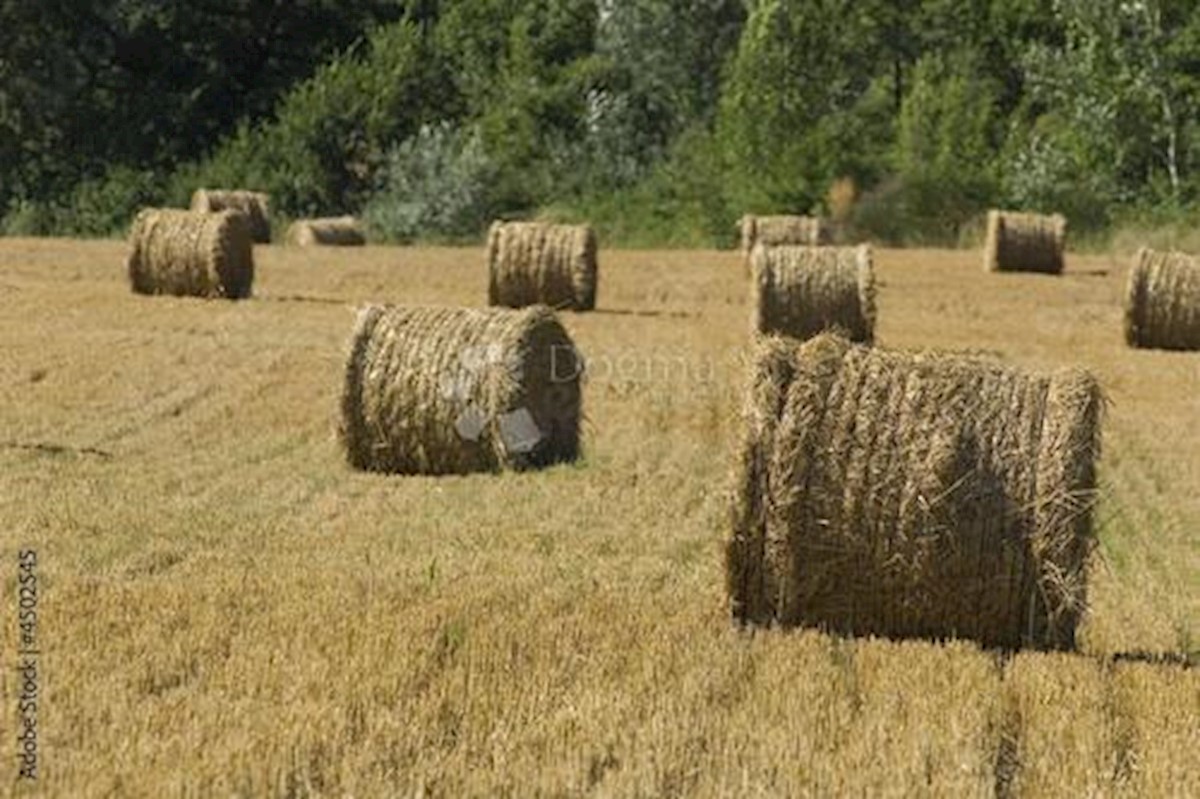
x=435 y=185
x=29 y=218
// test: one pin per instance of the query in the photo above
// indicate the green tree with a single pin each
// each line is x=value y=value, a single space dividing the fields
x=662 y=62
x=87 y=85
x=802 y=105
x=333 y=131
x=522 y=70
x=1104 y=112
x=946 y=147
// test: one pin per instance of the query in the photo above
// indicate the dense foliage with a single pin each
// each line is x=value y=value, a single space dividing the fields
x=660 y=120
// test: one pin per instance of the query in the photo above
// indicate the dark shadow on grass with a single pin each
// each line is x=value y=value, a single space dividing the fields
x=304 y=298
x=651 y=314
x=44 y=448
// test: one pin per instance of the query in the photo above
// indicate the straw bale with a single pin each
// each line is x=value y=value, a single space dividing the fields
x=191 y=253
x=457 y=390
x=913 y=495
x=1024 y=242
x=536 y=263
x=1162 y=301
x=783 y=229
x=336 y=231
x=801 y=291
x=255 y=205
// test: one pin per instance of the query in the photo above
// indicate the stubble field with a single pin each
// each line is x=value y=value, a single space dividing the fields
x=226 y=609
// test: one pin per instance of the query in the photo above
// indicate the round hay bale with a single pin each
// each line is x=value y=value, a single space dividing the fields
x=188 y=253
x=777 y=230
x=457 y=390
x=536 y=263
x=337 y=231
x=255 y=205
x=1162 y=302
x=802 y=291
x=913 y=495
x=1024 y=242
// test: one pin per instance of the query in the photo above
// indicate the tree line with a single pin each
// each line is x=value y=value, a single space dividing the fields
x=661 y=121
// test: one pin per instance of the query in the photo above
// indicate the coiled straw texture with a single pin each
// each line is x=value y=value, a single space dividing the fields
x=913 y=495
x=457 y=390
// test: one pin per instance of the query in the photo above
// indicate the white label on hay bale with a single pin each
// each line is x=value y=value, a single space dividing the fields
x=519 y=431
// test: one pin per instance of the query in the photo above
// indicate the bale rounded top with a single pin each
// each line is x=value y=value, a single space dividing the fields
x=179 y=252
x=452 y=390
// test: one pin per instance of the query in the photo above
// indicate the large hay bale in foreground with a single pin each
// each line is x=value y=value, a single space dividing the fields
x=336 y=231
x=802 y=291
x=1162 y=302
x=456 y=390
x=188 y=253
x=779 y=230
x=1024 y=242
x=913 y=495
x=536 y=263
x=255 y=205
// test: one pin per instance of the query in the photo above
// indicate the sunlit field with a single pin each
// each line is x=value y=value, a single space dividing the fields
x=226 y=609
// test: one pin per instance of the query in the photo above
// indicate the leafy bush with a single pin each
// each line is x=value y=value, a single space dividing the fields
x=106 y=206
x=29 y=218
x=435 y=184
x=102 y=206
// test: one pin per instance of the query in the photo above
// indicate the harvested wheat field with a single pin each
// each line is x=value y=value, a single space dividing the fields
x=226 y=608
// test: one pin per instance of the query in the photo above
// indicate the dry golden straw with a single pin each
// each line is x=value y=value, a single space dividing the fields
x=913 y=495
x=337 y=231
x=457 y=390
x=1162 y=302
x=255 y=205
x=191 y=253
x=776 y=230
x=802 y=291
x=535 y=263
x=1024 y=242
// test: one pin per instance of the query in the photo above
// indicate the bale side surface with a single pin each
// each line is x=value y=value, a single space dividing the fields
x=802 y=291
x=1162 y=301
x=534 y=263
x=912 y=495
x=255 y=205
x=186 y=253
x=456 y=390
x=340 y=231
x=1017 y=242
x=779 y=230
